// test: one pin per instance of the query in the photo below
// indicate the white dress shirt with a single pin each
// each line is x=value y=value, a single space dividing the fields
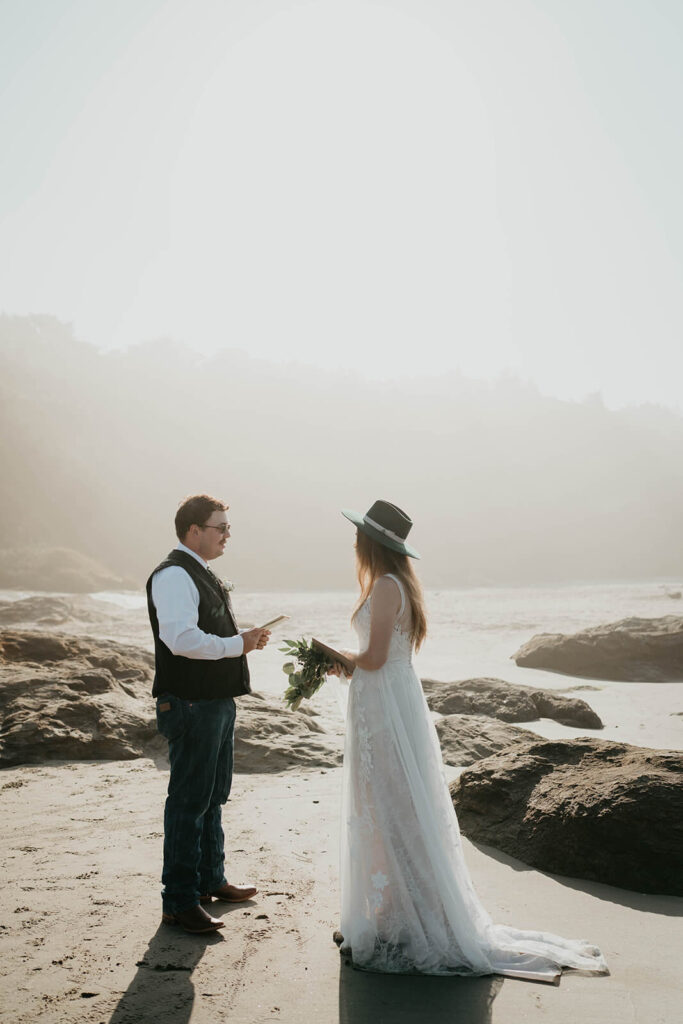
x=176 y=600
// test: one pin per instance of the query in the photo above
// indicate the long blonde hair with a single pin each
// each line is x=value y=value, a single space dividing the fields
x=374 y=560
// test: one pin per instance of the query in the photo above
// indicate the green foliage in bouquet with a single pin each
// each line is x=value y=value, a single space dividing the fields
x=308 y=675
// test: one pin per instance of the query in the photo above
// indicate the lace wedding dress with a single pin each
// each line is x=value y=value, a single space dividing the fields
x=408 y=903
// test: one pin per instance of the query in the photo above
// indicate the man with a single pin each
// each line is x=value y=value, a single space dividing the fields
x=200 y=668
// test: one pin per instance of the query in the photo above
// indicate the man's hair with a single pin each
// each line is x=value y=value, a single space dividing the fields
x=196 y=508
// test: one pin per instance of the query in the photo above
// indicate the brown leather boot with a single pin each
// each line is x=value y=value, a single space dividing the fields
x=230 y=893
x=195 y=920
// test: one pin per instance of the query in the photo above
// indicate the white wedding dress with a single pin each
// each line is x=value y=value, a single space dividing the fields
x=408 y=903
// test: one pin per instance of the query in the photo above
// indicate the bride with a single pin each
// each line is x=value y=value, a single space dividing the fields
x=408 y=903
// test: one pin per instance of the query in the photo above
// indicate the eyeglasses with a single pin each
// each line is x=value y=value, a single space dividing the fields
x=222 y=527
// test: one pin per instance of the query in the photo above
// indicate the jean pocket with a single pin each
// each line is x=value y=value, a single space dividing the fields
x=170 y=716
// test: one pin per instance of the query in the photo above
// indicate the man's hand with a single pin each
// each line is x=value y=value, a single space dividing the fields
x=255 y=639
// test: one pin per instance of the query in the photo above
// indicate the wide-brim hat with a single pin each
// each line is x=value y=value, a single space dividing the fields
x=387 y=524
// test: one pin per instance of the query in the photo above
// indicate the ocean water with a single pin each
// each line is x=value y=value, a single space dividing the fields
x=472 y=632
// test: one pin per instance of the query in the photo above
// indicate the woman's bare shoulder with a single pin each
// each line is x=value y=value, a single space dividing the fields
x=385 y=592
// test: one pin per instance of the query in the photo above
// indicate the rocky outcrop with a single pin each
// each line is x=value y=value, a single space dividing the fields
x=631 y=650
x=67 y=698
x=508 y=702
x=585 y=808
x=73 y=698
x=75 y=659
x=271 y=738
x=465 y=739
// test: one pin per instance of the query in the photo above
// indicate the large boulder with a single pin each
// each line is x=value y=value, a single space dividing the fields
x=72 y=698
x=465 y=739
x=586 y=808
x=631 y=650
x=509 y=702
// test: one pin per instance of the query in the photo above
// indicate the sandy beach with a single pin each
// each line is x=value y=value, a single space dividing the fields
x=80 y=852
x=82 y=939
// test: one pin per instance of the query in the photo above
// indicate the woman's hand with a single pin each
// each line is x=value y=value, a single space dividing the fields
x=341 y=670
x=352 y=658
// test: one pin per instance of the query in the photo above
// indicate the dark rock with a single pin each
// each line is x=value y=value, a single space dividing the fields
x=567 y=710
x=465 y=739
x=585 y=808
x=96 y=681
x=509 y=702
x=631 y=650
x=76 y=698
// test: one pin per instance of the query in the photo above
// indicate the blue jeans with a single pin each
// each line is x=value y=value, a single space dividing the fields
x=200 y=737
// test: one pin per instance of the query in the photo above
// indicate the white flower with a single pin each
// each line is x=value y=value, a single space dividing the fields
x=228 y=584
x=376 y=900
x=380 y=880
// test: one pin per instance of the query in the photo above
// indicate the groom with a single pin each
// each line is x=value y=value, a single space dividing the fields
x=200 y=667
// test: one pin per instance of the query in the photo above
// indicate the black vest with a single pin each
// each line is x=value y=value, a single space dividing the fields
x=195 y=678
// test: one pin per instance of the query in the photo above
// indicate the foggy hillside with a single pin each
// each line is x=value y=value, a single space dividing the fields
x=504 y=485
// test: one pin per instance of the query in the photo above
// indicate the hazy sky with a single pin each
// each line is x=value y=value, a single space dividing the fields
x=402 y=187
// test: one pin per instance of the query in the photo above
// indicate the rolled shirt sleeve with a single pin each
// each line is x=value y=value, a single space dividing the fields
x=176 y=600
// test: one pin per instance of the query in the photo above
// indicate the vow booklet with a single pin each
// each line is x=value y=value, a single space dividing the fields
x=274 y=622
x=333 y=654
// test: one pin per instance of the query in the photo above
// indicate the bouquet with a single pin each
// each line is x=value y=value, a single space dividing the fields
x=308 y=675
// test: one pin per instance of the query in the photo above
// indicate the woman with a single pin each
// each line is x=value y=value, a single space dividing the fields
x=408 y=904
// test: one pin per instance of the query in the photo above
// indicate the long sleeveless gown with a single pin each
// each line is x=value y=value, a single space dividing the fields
x=408 y=903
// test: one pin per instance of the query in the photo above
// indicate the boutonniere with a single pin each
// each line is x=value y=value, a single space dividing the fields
x=228 y=585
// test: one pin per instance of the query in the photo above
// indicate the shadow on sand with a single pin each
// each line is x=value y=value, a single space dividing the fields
x=670 y=906
x=366 y=998
x=162 y=988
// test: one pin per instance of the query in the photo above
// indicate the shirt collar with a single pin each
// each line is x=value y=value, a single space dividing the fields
x=181 y=547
